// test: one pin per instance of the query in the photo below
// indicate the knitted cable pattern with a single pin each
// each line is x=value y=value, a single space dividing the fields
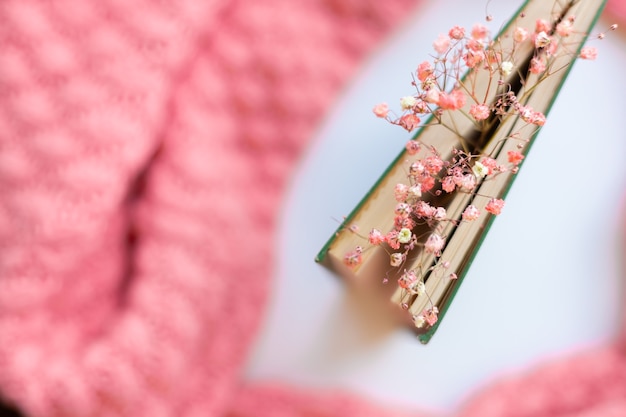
x=144 y=147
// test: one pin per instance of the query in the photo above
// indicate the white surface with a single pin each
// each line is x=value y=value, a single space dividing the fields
x=546 y=281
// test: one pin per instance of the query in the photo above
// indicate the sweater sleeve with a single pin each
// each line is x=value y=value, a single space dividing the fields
x=143 y=150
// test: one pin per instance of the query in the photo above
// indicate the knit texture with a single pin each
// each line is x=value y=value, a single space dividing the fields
x=144 y=147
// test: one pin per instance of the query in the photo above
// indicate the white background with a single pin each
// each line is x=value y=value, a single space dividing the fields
x=546 y=282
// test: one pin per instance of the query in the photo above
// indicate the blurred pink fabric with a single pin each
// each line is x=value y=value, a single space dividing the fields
x=144 y=147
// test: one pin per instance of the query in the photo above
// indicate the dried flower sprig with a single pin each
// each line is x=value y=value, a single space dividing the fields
x=447 y=83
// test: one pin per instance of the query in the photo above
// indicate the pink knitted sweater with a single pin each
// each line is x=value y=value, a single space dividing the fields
x=144 y=147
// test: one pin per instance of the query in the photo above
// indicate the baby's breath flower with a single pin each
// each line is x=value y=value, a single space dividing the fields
x=412 y=147
x=520 y=34
x=432 y=96
x=440 y=214
x=424 y=71
x=457 y=32
x=431 y=316
x=434 y=244
x=470 y=213
x=415 y=192
x=467 y=182
x=396 y=259
x=479 y=111
x=381 y=110
x=407 y=280
x=407 y=102
x=515 y=157
x=354 y=258
x=542 y=40
x=537 y=65
x=542 y=25
x=441 y=44
x=480 y=170
x=494 y=206
x=506 y=67
x=400 y=192
x=447 y=184
x=376 y=237
x=419 y=321
x=564 y=28
x=403 y=209
x=409 y=122
x=588 y=52
x=404 y=236
x=479 y=31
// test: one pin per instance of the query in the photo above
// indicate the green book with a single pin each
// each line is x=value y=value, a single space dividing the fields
x=440 y=274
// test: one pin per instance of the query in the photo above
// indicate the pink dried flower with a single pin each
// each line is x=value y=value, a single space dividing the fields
x=407 y=280
x=457 y=32
x=409 y=122
x=400 y=222
x=473 y=57
x=539 y=119
x=424 y=71
x=396 y=259
x=470 y=213
x=423 y=210
x=490 y=163
x=453 y=101
x=433 y=164
x=474 y=45
x=527 y=113
x=479 y=31
x=441 y=44
x=354 y=258
x=440 y=214
x=520 y=34
x=479 y=111
x=415 y=192
x=537 y=65
x=531 y=116
x=376 y=237
x=588 y=52
x=392 y=240
x=416 y=168
x=432 y=96
x=515 y=157
x=466 y=182
x=403 y=209
x=494 y=206
x=412 y=147
x=400 y=192
x=431 y=316
x=552 y=47
x=434 y=244
x=381 y=110
x=447 y=184
x=564 y=28
x=542 y=40
x=427 y=184
x=542 y=25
